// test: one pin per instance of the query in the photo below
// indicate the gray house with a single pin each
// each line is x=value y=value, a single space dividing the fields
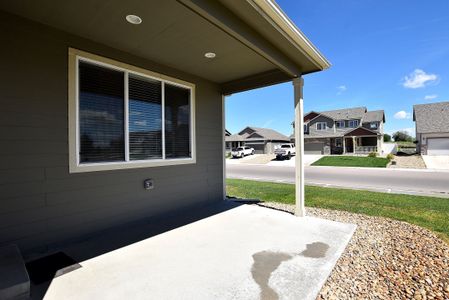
x=344 y=131
x=263 y=140
x=109 y=118
x=432 y=128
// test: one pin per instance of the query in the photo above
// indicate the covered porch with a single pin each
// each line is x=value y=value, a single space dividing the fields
x=361 y=141
x=150 y=75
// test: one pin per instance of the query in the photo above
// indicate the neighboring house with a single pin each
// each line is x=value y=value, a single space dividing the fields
x=106 y=122
x=263 y=140
x=432 y=128
x=344 y=131
x=227 y=133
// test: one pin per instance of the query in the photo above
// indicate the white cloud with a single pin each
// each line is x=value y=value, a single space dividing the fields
x=418 y=79
x=341 y=89
x=430 y=97
x=402 y=115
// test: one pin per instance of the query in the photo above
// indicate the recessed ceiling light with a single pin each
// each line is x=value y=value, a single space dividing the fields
x=133 y=19
x=210 y=55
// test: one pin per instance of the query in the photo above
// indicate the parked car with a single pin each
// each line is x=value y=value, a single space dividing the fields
x=242 y=151
x=285 y=151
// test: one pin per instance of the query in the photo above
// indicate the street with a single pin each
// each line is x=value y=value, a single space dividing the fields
x=418 y=182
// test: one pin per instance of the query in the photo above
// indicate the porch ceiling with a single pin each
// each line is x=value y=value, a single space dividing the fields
x=178 y=34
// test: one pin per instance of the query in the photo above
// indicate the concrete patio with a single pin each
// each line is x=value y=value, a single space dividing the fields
x=238 y=252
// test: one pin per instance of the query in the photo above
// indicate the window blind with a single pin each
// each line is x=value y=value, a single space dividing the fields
x=101 y=114
x=177 y=122
x=145 y=118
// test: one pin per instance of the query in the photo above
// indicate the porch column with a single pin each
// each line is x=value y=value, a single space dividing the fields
x=344 y=145
x=353 y=144
x=298 y=84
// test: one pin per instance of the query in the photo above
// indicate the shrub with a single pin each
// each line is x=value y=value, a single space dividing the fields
x=387 y=137
x=390 y=156
x=372 y=154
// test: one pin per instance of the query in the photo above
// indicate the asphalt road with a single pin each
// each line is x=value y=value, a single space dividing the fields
x=419 y=182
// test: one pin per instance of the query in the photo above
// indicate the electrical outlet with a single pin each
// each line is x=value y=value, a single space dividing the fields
x=148 y=184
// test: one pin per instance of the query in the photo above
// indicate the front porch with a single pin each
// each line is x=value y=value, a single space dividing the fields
x=360 y=141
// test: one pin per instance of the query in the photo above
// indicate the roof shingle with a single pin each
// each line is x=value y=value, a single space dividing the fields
x=431 y=118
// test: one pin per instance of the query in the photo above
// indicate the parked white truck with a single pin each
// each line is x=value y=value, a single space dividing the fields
x=242 y=151
x=285 y=151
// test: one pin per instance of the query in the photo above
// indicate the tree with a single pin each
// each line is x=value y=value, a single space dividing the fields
x=387 y=137
x=402 y=136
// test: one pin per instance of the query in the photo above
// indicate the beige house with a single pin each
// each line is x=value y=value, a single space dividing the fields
x=263 y=140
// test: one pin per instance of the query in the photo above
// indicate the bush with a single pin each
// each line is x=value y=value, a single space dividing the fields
x=387 y=138
x=390 y=157
x=372 y=154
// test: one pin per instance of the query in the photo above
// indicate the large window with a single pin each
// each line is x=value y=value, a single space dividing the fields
x=125 y=117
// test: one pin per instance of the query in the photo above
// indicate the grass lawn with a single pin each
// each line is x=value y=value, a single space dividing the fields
x=406 y=144
x=428 y=212
x=352 y=161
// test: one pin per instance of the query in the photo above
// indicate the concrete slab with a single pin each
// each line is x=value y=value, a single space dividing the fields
x=437 y=162
x=242 y=253
x=14 y=280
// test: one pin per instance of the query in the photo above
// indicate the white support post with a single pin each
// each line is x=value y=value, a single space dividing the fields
x=298 y=84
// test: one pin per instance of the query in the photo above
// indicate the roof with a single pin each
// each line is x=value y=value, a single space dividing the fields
x=345 y=113
x=431 y=118
x=374 y=116
x=255 y=42
x=257 y=133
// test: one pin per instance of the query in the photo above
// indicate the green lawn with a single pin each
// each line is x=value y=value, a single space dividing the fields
x=352 y=161
x=429 y=212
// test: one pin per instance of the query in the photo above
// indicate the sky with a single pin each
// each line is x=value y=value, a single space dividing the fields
x=385 y=55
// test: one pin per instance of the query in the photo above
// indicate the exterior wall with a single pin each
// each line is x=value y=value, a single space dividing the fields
x=330 y=127
x=41 y=204
x=421 y=147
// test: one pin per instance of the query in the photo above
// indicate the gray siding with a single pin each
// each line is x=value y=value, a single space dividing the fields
x=41 y=204
x=317 y=133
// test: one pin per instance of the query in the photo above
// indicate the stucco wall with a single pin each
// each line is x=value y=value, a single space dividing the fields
x=41 y=204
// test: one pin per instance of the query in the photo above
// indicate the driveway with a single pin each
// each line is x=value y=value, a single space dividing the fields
x=244 y=252
x=439 y=162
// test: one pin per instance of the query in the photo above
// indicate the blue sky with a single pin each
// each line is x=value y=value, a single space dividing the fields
x=385 y=55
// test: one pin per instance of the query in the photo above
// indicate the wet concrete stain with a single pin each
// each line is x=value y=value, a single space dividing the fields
x=266 y=262
x=315 y=250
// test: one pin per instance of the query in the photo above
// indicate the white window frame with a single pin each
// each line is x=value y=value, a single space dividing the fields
x=373 y=125
x=322 y=128
x=351 y=123
x=340 y=122
x=75 y=166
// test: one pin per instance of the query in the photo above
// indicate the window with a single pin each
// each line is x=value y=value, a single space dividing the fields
x=340 y=124
x=373 y=125
x=353 y=123
x=125 y=117
x=321 y=126
x=306 y=128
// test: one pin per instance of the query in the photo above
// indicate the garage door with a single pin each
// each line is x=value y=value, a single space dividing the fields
x=438 y=146
x=313 y=148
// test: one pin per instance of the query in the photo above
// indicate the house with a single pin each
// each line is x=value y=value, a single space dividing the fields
x=432 y=128
x=227 y=132
x=343 y=131
x=112 y=112
x=263 y=140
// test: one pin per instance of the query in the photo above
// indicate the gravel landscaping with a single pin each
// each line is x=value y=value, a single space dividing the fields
x=385 y=259
x=408 y=162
